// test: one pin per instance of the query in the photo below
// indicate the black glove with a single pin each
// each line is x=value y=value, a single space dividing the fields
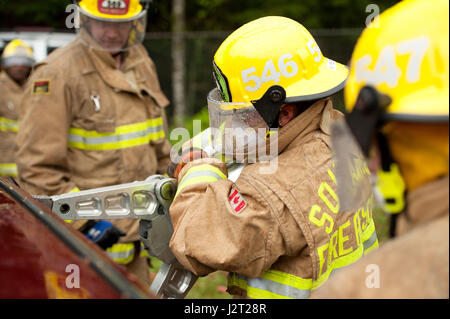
x=103 y=233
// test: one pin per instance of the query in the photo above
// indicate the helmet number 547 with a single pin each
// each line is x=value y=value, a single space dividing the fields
x=287 y=69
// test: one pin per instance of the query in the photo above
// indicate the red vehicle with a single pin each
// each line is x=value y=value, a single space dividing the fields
x=44 y=257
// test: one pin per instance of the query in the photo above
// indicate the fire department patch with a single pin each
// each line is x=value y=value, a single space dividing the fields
x=119 y=7
x=41 y=87
x=236 y=201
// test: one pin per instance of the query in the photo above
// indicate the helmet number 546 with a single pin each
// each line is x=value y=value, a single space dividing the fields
x=286 y=68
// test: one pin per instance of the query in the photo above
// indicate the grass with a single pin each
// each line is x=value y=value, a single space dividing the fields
x=381 y=220
x=214 y=285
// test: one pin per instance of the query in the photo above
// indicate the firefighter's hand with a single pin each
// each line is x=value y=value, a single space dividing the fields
x=103 y=233
x=186 y=156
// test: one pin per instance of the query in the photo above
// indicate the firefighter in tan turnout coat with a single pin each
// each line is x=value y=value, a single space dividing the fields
x=17 y=61
x=413 y=42
x=277 y=229
x=93 y=116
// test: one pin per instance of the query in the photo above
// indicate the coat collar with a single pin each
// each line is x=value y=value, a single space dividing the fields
x=317 y=116
x=122 y=79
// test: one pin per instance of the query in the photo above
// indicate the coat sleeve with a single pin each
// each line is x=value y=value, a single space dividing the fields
x=212 y=232
x=43 y=134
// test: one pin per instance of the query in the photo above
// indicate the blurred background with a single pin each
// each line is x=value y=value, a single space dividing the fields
x=182 y=36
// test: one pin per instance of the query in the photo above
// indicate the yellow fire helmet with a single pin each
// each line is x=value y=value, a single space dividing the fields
x=112 y=10
x=127 y=18
x=262 y=65
x=17 y=52
x=404 y=56
x=398 y=91
x=275 y=51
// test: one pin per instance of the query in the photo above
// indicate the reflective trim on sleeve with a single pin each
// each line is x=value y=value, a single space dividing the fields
x=338 y=263
x=121 y=253
x=369 y=238
x=8 y=169
x=8 y=125
x=123 y=137
x=273 y=284
x=143 y=251
x=204 y=173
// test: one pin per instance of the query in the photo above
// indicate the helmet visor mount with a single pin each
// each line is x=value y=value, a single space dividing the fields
x=113 y=35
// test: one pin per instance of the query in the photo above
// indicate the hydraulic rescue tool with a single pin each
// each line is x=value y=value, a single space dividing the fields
x=148 y=201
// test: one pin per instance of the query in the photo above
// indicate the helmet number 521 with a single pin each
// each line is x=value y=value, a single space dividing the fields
x=270 y=73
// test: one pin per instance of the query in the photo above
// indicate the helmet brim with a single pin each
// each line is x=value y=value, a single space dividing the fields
x=329 y=80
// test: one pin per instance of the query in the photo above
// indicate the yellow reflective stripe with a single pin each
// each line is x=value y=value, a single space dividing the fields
x=115 y=145
x=273 y=284
x=339 y=263
x=238 y=281
x=123 y=137
x=8 y=125
x=129 y=128
x=287 y=279
x=143 y=252
x=256 y=293
x=121 y=253
x=280 y=285
x=204 y=173
x=8 y=169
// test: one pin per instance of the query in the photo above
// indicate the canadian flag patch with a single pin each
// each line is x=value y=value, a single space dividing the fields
x=236 y=201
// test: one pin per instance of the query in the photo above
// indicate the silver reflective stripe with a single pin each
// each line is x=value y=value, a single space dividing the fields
x=370 y=241
x=274 y=287
x=116 y=137
x=277 y=288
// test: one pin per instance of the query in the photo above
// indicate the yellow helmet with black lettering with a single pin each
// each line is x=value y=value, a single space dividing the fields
x=275 y=51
